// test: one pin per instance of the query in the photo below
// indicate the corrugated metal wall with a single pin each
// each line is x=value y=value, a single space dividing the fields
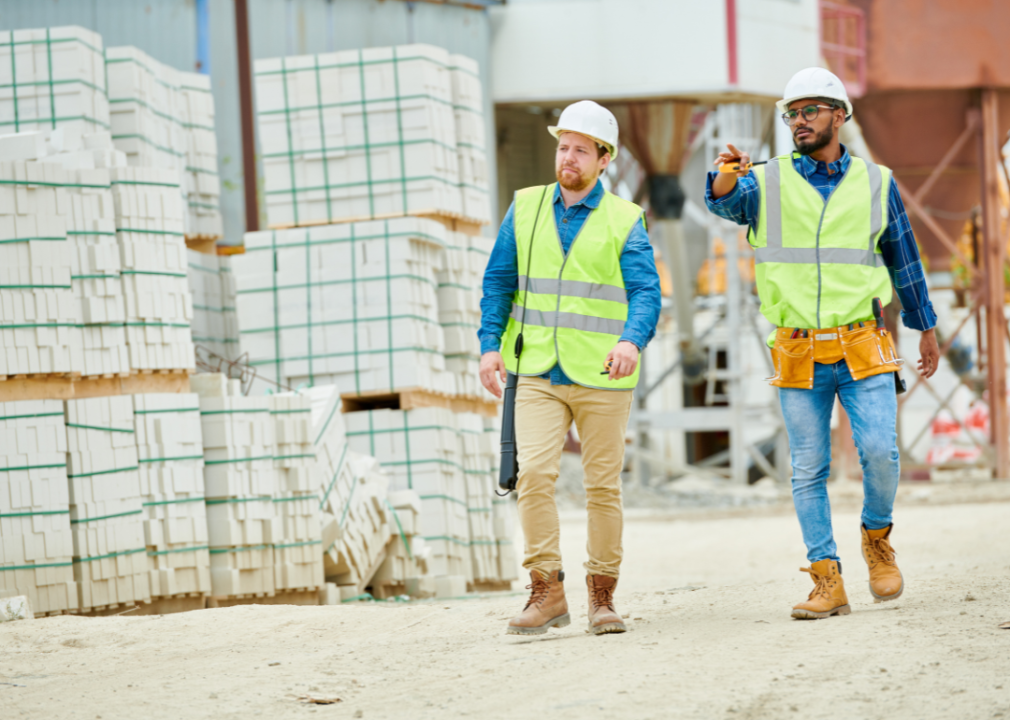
x=166 y=30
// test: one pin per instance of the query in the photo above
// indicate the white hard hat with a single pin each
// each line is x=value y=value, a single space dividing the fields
x=815 y=82
x=590 y=119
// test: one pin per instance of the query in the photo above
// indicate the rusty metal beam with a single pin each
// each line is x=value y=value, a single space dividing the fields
x=923 y=191
x=916 y=207
x=995 y=286
x=252 y=213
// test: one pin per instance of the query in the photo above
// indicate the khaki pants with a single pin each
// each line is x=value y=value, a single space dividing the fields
x=544 y=412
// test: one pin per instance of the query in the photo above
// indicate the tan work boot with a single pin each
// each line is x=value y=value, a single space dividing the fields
x=886 y=582
x=603 y=618
x=546 y=607
x=828 y=596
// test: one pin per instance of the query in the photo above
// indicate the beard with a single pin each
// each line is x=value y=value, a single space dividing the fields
x=573 y=184
x=812 y=145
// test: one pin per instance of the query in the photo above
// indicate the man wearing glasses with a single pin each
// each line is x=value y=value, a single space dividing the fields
x=830 y=235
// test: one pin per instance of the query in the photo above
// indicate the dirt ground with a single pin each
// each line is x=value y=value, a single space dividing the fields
x=707 y=597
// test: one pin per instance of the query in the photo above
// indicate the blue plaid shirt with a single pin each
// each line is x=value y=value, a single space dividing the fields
x=897 y=244
x=638 y=267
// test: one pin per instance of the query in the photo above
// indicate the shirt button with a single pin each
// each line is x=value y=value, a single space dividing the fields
x=565 y=220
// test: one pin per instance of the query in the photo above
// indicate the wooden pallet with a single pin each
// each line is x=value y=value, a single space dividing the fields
x=67 y=387
x=206 y=244
x=413 y=398
x=487 y=586
x=304 y=596
x=113 y=609
x=452 y=221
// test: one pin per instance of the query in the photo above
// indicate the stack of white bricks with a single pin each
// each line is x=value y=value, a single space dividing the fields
x=240 y=482
x=106 y=513
x=459 y=294
x=164 y=118
x=298 y=558
x=479 y=496
x=353 y=304
x=471 y=141
x=36 y=545
x=159 y=307
x=504 y=512
x=405 y=569
x=38 y=315
x=215 y=324
x=358 y=134
x=170 y=450
x=52 y=77
x=421 y=451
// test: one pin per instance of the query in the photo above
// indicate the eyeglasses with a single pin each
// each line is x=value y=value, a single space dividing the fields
x=810 y=113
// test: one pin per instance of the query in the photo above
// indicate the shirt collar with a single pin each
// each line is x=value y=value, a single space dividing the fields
x=810 y=166
x=591 y=201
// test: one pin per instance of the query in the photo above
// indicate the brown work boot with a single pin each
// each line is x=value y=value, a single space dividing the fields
x=886 y=582
x=828 y=596
x=603 y=618
x=546 y=607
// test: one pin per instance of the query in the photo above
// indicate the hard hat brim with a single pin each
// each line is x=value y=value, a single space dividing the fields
x=556 y=131
x=784 y=104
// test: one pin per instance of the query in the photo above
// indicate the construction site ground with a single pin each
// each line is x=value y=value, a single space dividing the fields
x=707 y=595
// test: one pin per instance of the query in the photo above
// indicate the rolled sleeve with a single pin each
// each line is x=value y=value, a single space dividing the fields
x=501 y=280
x=641 y=283
x=739 y=205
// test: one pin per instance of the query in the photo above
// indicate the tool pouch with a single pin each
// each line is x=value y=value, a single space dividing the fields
x=868 y=351
x=794 y=360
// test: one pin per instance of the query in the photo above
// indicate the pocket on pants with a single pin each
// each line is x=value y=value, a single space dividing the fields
x=794 y=363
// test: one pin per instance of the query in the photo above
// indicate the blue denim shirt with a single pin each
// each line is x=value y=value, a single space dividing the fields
x=638 y=266
x=897 y=244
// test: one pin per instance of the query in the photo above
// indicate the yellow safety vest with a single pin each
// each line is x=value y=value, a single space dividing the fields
x=575 y=304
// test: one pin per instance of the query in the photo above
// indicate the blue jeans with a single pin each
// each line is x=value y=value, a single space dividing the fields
x=873 y=409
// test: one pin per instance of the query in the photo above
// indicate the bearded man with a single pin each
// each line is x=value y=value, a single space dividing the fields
x=573 y=274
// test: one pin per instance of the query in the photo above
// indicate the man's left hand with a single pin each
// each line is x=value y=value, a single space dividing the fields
x=929 y=353
x=622 y=360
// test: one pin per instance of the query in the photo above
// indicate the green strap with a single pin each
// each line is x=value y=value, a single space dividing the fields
x=298 y=544
x=450 y=498
x=172 y=459
x=389 y=284
x=169 y=410
x=431 y=239
x=237 y=460
x=291 y=146
x=242 y=548
x=399 y=142
x=32 y=467
x=151 y=232
x=33 y=415
x=308 y=304
x=406 y=443
x=232 y=501
x=14 y=85
x=95 y=427
x=35 y=567
x=347 y=506
x=326 y=425
x=333 y=480
x=322 y=140
x=364 y=127
x=110 y=555
x=354 y=296
x=153 y=272
x=180 y=501
x=52 y=92
x=172 y=551
x=34 y=512
x=78 y=521
x=288 y=412
x=106 y=472
x=235 y=412
x=294 y=457
x=294 y=498
x=277 y=332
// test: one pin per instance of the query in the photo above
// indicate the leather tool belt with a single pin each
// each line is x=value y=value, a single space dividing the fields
x=866 y=350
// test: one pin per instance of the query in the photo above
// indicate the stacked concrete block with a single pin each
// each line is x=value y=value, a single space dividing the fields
x=52 y=77
x=106 y=512
x=36 y=543
x=298 y=558
x=405 y=569
x=170 y=456
x=215 y=323
x=420 y=450
x=459 y=293
x=471 y=141
x=353 y=304
x=159 y=308
x=503 y=508
x=357 y=134
x=164 y=118
x=479 y=496
x=38 y=315
x=240 y=482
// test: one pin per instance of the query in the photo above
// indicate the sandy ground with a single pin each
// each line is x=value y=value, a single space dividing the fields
x=707 y=598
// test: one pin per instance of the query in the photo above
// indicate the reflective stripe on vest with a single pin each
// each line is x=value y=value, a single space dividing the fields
x=818 y=264
x=575 y=304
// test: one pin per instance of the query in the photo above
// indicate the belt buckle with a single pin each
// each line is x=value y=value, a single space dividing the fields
x=823 y=337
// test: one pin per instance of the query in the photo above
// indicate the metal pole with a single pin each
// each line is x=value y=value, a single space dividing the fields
x=252 y=213
x=995 y=318
x=737 y=444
